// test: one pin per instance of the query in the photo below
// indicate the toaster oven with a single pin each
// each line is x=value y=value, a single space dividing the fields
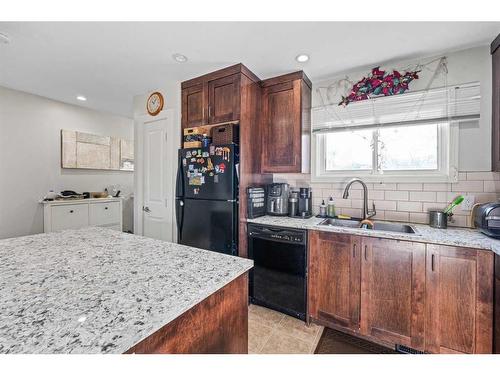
x=487 y=219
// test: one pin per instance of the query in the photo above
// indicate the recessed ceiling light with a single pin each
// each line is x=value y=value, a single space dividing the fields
x=81 y=98
x=302 y=58
x=4 y=38
x=179 y=58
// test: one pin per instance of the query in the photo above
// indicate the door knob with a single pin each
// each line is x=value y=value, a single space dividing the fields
x=146 y=209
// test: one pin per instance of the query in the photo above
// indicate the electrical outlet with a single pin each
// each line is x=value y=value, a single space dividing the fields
x=467 y=203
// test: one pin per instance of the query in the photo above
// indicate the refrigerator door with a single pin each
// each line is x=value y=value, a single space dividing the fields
x=208 y=224
x=208 y=173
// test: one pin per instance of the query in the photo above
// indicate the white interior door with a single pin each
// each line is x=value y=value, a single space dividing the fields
x=157 y=179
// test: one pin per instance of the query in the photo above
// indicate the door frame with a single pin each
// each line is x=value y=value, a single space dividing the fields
x=172 y=146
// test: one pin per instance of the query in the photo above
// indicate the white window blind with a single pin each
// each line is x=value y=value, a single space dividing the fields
x=452 y=103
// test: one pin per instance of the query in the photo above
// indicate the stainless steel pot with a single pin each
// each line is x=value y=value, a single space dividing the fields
x=438 y=219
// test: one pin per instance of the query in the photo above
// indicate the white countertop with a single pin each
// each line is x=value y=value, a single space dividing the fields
x=423 y=233
x=96 y=290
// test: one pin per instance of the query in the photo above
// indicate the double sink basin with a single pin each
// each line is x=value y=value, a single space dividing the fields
x=378 y=226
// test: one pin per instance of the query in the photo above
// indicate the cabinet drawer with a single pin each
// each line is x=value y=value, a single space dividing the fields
x=104 y=213
x=70 y=216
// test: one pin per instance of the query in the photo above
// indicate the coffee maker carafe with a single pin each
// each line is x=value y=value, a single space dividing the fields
x=277 y=199
x=305 y=203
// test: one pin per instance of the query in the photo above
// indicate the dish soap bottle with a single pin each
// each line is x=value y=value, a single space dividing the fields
x=322 y=209
x=331 y=208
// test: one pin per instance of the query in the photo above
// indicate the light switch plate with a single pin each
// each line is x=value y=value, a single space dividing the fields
x=467 y=203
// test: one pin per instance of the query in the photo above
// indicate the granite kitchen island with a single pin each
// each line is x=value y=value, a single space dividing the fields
x=96 y=290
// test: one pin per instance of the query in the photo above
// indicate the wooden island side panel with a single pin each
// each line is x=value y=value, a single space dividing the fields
x=216 y=325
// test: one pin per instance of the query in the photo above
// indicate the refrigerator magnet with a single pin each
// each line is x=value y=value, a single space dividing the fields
x=199 y=153
x=184 y=162
x=216 y=179
x=193 y=160
x=222 y=167
x=191 y=167
x=188 y=154
x=212 y=150
x=196 y=191
x=205 y=154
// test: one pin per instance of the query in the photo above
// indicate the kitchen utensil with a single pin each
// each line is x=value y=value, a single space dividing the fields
x=453 y=204
x=293 y=204
x=438 y=219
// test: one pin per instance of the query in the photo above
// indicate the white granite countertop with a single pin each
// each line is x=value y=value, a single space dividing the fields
x=423 y=233
x=96 y=290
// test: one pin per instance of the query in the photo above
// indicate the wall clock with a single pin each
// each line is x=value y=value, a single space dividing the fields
x=154 y=104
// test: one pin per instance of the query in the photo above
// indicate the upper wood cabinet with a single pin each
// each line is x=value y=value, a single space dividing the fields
x=334 y=278
x=193 y=112
x=286 y=124
x=459 y=295
x=432 y=298
x=224 y=99
x=214 y=97
x=495 y=124
x=392 y=291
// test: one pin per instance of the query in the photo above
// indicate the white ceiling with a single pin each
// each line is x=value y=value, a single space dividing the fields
x=109 y=63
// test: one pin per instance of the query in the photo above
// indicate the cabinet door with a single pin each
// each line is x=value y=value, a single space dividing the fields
x=224 y=99
x=393 y=291
x=459 y=300
x=281 y=111
x=193 y=113
x=74 y=216
x=334 y=278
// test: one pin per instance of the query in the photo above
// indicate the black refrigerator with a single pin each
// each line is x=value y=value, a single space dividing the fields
x=207 y=198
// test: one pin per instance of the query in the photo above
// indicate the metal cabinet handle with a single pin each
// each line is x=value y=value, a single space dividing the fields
x=354 y=251
x=432 y=262
x=366 y=256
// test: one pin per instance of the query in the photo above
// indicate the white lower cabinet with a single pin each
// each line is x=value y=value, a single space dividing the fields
x=75 y=214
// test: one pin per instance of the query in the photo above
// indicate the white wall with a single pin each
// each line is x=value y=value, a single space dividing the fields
x=30 y=162
x=171 y=92
x=470 y=65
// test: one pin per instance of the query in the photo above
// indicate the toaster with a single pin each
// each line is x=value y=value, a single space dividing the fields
x=487 y=219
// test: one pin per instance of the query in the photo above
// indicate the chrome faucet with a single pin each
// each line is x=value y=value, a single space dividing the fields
x=366 y=213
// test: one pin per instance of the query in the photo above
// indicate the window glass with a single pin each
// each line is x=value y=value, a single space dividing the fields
x=349 y=150
x=408 y=148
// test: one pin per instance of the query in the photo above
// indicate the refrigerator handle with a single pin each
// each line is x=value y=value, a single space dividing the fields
x=179 y=184
x=179 y=215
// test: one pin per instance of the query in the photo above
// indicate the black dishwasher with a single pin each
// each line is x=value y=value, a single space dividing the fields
x=278 y=278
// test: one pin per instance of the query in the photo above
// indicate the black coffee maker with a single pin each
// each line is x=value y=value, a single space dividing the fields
x=305 y=203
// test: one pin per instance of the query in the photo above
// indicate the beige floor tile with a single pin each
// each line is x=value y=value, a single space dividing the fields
x=264 y=316
x=284 y=344
x=297 y=328
x=258 y=334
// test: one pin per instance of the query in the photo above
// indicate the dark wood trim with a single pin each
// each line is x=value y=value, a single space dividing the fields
x=286 y=78
x=216 y=325
x=496 y=323
x=233 y=69
x=495 y=44
x=495 y=111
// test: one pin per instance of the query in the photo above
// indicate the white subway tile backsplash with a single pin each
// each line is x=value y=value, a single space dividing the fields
x=437 y=187
x=423 y=196
x=397 y=216
x=491 y=186
x=385 y=186
x=396 y=195
x=469 y=186
x=409 y=206
x=483 y=176
x=410 y=187
x=408 y=202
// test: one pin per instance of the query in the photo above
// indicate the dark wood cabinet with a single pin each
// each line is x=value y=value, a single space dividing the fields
x=433 y=298
x=392 y=291
x=495 y=121
x=334 y=278
x=459 y=296
x=286 y=106
x=224 y=99
x=193 y=111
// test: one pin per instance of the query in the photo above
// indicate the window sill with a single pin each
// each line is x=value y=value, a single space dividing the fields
x=410 y=178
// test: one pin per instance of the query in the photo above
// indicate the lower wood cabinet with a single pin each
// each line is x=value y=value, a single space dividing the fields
x=437 y=299
x=393 y=291
x=334 y=278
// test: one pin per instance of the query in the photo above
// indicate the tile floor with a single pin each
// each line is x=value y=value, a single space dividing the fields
x=271 y=332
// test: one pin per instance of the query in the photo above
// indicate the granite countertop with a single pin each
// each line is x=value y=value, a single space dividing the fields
x=423 y=233
x=96 y=290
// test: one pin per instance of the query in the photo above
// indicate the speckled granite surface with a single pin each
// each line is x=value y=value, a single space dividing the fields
x=96 y=290
x=424 y=233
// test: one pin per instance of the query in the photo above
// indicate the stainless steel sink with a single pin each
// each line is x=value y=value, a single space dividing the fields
x=382 y=226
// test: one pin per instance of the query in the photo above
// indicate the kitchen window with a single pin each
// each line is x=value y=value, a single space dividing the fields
x=388 y=140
